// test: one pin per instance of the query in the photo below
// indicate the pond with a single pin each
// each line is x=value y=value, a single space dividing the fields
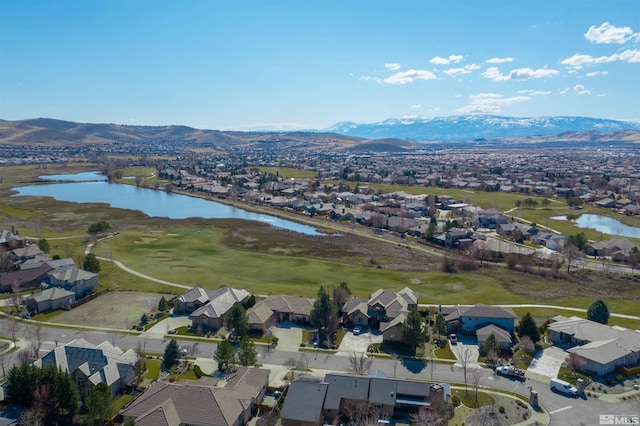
x=93 y=188
x=603 y=224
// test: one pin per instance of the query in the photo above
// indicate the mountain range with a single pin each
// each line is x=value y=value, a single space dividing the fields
x=397 y=134
x=474 y=127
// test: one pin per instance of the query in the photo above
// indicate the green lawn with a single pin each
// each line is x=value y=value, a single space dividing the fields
x=289 y=173
x=152 y=373
x=445 y=353
x=469 y=398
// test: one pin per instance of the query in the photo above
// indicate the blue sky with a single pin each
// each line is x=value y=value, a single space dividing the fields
x=305 y=64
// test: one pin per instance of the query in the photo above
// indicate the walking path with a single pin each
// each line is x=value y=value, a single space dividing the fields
x=131 y=271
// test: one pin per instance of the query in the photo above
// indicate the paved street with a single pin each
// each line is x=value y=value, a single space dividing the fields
x=564 y=411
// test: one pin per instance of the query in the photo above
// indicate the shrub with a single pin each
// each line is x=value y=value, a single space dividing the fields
x=455 y=400
x=619 y=378
x=198 y=371
x=501 y=409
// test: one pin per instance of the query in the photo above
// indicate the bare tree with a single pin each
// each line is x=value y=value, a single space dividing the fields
x=5 y=361
x=36 y=336
x=291 y=363
x=527 y=345
x=358 y=412
x=466 y=357
x=476 y=379
x=16 y=296
x=359 y=363
x=575 y=363
x=33 y=416
x=437 y=413
x=571 y=253
x=13 y=326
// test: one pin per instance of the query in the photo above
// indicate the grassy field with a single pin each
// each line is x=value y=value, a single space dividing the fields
x=289 y=173
x=265 y=260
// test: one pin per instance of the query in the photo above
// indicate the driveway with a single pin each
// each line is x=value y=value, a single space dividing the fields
x=359 y=343
x=546 y=364
x=289 y=336
x=467 y=344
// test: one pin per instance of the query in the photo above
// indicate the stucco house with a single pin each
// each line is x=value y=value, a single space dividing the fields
x=212 y=315
x=91 y=364
x=313 y=401
x=79 y=281
x=392 y=330
x=279 y=308
x=382 y=306
x=598 y=347
x=49 y=299
x=471 y=319
x=204 y=402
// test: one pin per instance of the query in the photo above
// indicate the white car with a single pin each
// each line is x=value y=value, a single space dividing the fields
x=357 y=330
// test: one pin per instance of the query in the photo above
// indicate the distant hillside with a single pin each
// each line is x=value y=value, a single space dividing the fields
x=58 y=132
x=472 y=127
x=489 y=131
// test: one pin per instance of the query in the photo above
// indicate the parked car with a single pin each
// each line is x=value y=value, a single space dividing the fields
x=357 y=330
x=563 y=387
x=453 y=339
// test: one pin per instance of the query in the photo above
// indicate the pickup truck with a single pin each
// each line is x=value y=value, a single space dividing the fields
x=510 y=371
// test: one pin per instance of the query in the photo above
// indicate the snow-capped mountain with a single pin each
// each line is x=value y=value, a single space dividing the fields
x=469 y=127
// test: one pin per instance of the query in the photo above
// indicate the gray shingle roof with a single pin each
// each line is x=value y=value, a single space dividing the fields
x=305 y=400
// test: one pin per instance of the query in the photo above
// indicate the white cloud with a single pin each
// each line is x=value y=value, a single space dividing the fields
x=533 y=92
x=493 y=73
x=607 y=33
x=436 y=109
x=392 y=67
x=365 y=78
x=472 y=67
x=601 y=95
x=416 y=106
x=565 y=90
x=453 y=72
x=578 y=60
x=499 y=60
x=410 y=76
x=437 y=60
x=456 y=58
x=458 y=96
x=489 y=103
x=580 y=90
x=528 y=73
x=596 y=73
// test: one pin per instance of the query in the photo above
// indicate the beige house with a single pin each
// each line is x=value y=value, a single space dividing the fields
x=383 y=306
x=280 y=308
x=213 y=314
x=203 y=403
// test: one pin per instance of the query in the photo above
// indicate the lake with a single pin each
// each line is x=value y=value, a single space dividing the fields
x=603 y=224
x=91 y=187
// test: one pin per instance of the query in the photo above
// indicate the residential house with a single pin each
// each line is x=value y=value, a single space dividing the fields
x=24 y=279
x=304 y=402
x=392 y=330
x=311 y=401
x=598 y=348
x=212 y=315
x=470 y=319
x=618 y=249
x=504 y=338
x=382 y=306
x=91 y=364
x=12 y=239
x=192 y=300
x=204 y=402
x=49 y=299
x=280 y=308
x=79 y=281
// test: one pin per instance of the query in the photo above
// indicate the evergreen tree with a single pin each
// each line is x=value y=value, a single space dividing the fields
x=99 y=404
x=163 y=305
x=224 y=355
x=66 y=393
x=43 y=245
x=171 y=354
x=412 y=333
x=247 y=354
x=528 y=327
x=439 y=325
x=237 y=320
x=491 y=345
x=91 y=263
x=324 y=314
x=144 y=319
x=598 y=312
